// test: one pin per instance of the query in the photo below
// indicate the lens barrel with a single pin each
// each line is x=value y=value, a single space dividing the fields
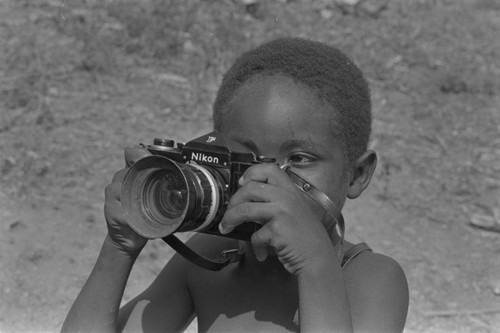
x=161 y=196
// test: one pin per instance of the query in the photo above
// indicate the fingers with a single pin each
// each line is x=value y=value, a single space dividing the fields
x=135 y=153
x=269 y=237
x=119 y=175
x=113 y=190
x=246 y=212
x=264 y=190
x=113 y=210
x=267 y=173
x=132 y=155
x=256 y=212
x=253 y=191
x=255 y=202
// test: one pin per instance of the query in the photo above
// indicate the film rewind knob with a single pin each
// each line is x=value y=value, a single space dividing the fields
x=164 y=142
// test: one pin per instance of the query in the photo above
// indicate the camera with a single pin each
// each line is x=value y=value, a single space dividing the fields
x=186 y=187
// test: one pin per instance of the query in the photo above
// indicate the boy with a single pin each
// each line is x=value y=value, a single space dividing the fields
x=308 y=105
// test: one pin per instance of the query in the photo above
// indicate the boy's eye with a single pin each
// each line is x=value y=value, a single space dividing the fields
x=299 y=158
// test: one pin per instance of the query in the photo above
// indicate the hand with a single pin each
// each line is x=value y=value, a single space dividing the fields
x=291 y=227
x=122 y=236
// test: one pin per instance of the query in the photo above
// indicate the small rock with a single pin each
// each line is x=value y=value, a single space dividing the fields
x=453 y=85
x=254 y=9
x=16 y=225
x=36 y=256
x=170 y=77
x=485 y=222
x=53 y=91
x=326 y=14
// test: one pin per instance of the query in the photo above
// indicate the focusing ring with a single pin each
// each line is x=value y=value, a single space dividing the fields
x=205 y=199
x=208 y=185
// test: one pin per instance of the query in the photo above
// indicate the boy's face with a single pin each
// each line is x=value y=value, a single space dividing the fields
x=276 y=117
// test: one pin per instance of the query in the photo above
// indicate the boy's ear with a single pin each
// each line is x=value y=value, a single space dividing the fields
x=362 y=171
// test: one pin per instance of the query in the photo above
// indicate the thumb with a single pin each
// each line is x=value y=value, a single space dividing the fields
x=135 y=153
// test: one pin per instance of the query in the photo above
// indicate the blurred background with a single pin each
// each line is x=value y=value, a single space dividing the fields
x=80 y=80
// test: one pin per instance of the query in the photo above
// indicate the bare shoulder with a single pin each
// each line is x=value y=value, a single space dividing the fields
x=376 y=271
x=378 y=292
x=369 y=265
x=167 y=303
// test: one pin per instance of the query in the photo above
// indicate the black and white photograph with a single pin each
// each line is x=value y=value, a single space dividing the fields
x=250 y=166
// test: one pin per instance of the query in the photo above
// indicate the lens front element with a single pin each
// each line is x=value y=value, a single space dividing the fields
x=165 y=194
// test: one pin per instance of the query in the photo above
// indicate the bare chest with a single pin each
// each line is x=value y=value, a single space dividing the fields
x=227 y=302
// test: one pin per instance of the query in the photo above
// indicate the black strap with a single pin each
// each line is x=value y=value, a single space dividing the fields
x=324 y=201
x=227 y=256
x=353 y=252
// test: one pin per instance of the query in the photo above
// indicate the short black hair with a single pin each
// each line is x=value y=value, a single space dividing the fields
x=330 y=74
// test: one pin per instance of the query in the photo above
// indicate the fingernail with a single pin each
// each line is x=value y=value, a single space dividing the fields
x=241 y=180
x=224 y=230
x=260 y=257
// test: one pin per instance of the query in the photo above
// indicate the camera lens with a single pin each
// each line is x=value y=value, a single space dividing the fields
x=165 y=195
x=161 y=196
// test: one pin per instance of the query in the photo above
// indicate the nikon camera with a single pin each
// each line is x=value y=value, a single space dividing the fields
x=186 y=187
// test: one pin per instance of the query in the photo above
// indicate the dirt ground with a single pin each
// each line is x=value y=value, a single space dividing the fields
x=80 y=80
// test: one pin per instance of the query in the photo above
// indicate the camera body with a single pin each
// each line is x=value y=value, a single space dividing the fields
x=186 y=187
x=213 y=150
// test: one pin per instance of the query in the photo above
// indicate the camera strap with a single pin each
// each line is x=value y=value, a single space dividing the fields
x=322 y=200
x=227 y=256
